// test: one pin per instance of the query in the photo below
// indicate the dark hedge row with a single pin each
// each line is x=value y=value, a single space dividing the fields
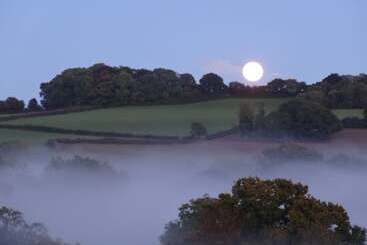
x=85 y=132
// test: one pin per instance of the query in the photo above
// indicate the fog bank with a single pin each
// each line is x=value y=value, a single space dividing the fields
x=152 y=184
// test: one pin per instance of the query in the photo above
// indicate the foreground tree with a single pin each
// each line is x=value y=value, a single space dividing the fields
x=266 y=212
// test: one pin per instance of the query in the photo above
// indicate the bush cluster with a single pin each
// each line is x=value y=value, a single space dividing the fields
x=295 y=118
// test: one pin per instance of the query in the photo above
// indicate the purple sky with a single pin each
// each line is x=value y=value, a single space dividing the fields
x=301 y=39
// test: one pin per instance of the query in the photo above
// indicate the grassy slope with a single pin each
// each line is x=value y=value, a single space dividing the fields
x=27 y=136
x=342 y=113
x=159 y=120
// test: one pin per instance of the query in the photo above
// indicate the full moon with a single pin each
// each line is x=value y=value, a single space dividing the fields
x=253 y=71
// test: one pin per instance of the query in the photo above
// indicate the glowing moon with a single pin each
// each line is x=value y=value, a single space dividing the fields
x=253 y=71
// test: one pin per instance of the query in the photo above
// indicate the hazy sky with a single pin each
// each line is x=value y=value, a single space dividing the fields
x=302 y=39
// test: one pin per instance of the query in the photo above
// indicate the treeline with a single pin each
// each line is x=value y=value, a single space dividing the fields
x=13 y=105
x=340 y=91
x=103 y=85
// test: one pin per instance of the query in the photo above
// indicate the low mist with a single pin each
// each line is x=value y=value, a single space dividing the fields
x=147 y=184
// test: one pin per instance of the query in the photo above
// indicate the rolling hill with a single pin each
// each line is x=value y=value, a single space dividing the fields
x=173 y=120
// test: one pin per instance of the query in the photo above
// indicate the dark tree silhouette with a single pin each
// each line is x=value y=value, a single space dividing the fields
x=212 y=84
x=33 y=106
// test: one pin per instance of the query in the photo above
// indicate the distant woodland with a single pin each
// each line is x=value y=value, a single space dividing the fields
x=103 y=85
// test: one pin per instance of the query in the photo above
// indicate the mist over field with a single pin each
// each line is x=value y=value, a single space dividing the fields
x=132 y=204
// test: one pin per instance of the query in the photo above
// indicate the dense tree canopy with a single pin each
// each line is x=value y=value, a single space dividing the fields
x=33 y=106
x=104 y=85
x=212 y=84
x=11 y=105
x=304 y=119
x=285 y=88
x=297 y=118
x=266 y=212
x=341 y=91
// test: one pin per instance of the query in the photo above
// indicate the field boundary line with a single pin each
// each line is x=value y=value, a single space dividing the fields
x=46 y=129
x=47 y=113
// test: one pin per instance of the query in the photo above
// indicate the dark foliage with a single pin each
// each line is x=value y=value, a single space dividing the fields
x=263 y=212
x=103 y=85
x=354 y=122
x=285 y=88
x=294 y=119
x=86 y=132
x=212 y=85
x=302 y=119
x=11 y=105
x=33 y=106
x=341 y=91
x=275 y=88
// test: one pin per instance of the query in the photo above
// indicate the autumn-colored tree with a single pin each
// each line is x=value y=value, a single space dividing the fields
x=263 y=212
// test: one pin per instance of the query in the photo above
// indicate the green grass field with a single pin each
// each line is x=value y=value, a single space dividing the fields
x=28 y=136
x=157 y=120
x=343 y=113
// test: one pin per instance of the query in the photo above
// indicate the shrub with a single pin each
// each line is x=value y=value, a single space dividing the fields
x=302 y=119
x=198 y=130
x=266 y=212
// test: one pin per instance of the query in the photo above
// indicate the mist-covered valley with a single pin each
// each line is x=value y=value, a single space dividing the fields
x=130 y=193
